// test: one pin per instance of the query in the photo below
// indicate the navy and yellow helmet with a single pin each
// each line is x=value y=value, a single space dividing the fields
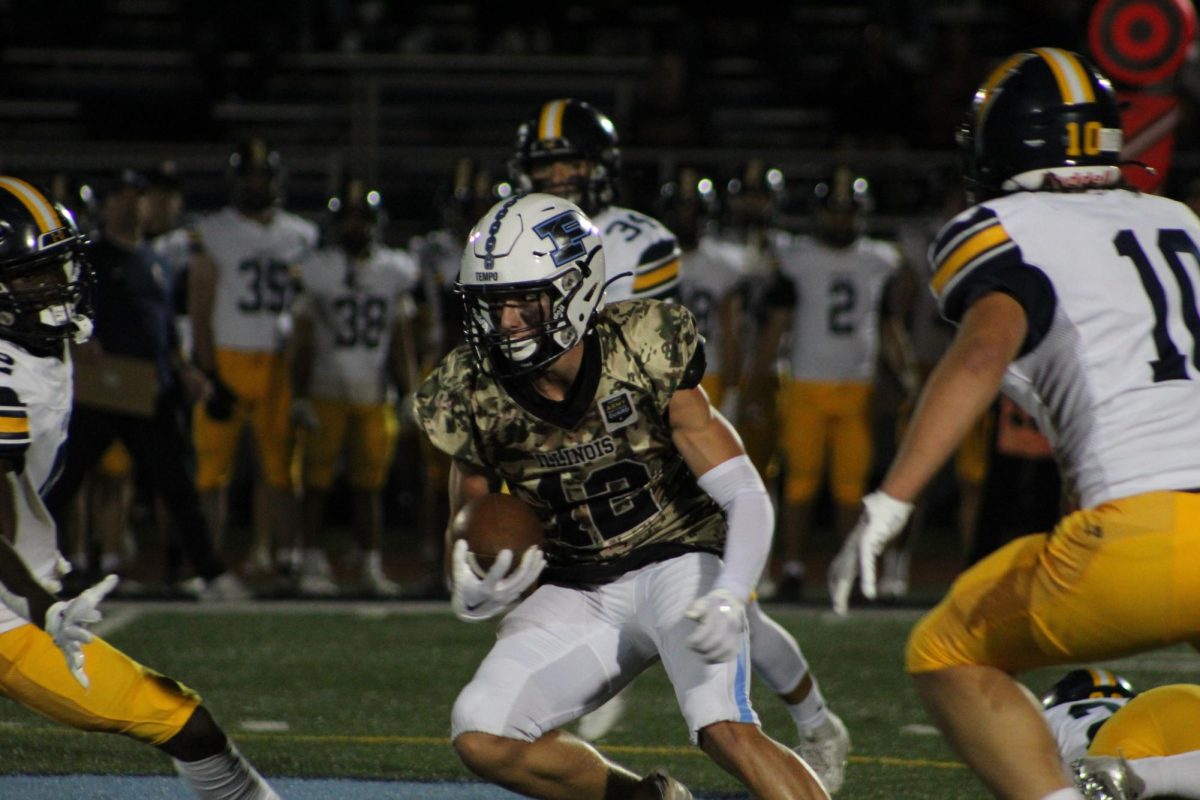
x=1086 y=684
x=569 y=129
x=1044 y=119
x=45 y=279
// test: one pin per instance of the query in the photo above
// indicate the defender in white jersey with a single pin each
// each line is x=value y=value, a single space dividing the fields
x=240 y=285
x=570 y=150
x=656 y=524
x=1079 y=295
x=828 y=316
x=352 y=348
x=1124 y=745
x=96 y=687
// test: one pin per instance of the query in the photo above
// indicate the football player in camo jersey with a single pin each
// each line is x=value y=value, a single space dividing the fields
x=1078 y=296
x=657 y=526
x=49 y=661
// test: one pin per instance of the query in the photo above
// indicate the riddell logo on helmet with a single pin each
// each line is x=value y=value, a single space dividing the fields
x=1079 y=180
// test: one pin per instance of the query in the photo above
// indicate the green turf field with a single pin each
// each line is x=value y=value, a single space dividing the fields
x=365 y=691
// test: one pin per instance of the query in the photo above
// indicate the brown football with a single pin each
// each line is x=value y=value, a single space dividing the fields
x=495 y=522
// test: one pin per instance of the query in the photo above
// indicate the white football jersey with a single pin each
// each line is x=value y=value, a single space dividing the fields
x=1074 y=724
x=708 y=276
x=254 y=283
x=642 y=246
x=835 y=324
x=353 y=304
x=1111 y=369
x=35 y=401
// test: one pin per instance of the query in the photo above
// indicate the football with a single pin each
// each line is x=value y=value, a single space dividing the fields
x=495 y=522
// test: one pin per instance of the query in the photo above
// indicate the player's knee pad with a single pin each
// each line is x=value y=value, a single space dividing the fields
x=502 y=708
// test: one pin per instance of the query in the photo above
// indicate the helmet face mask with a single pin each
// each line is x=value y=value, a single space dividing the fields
x=531 y=280
x=572 y=133
x=45 y=279
x=1045 y=120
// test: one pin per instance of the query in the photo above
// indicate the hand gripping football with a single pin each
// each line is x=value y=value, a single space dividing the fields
x=495 y=522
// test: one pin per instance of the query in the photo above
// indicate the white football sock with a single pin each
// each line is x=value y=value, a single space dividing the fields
x=225 y=776
x=1177 y=776
x=810 y=712
x=1069 y=793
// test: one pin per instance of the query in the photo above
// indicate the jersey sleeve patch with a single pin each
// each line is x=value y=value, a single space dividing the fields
x=14 y=425
x=658 y=269
x=974 y=256
x=442 y=408
x=967 y=241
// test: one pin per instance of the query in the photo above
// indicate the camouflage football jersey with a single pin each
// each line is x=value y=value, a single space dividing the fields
x=600 y=468
x=35 y=404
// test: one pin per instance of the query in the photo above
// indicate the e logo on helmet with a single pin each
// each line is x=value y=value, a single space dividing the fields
x=566 y=233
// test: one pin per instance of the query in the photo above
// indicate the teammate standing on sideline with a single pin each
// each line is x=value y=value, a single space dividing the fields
x=239 y=285
x=592 y=414
x=830 y=315
x=1079 y=296
x=352 y=348
x=49 y=661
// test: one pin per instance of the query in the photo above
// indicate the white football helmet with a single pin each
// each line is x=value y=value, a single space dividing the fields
x=535 y=260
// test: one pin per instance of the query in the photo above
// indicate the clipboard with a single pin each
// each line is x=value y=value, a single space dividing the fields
x=119 y=384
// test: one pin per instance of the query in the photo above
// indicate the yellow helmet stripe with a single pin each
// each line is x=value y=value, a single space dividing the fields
x=32 y=199
x=657 y=277
x=1073 y=83
x=987 y=239
x=550 y=121
x=994 y=80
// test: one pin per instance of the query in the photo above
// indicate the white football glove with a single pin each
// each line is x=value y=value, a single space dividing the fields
x=67 y=623
x=721 y=624
x=474 y=598
x=882 y=519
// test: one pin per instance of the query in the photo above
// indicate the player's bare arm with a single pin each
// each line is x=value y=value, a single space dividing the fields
x=703 y=437
x=402 y=354
x=202 y=290
x=21 y=588
x=961 y=387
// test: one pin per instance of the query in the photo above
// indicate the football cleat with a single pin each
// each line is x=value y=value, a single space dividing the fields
x=826 y=749
x=1107 y=778
x=668 y=788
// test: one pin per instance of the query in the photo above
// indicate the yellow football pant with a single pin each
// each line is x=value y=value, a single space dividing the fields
x=261 y=382
x=1158 y=722
x=125 y=697
x=367 y=432
x=1111 y=580
x=826 y=422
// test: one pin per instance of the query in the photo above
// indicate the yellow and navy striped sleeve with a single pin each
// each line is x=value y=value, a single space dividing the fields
x=657 y=273
x=14 y=426
x=972 y=256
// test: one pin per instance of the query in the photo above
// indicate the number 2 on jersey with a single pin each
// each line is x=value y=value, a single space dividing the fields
x=1170 y=365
